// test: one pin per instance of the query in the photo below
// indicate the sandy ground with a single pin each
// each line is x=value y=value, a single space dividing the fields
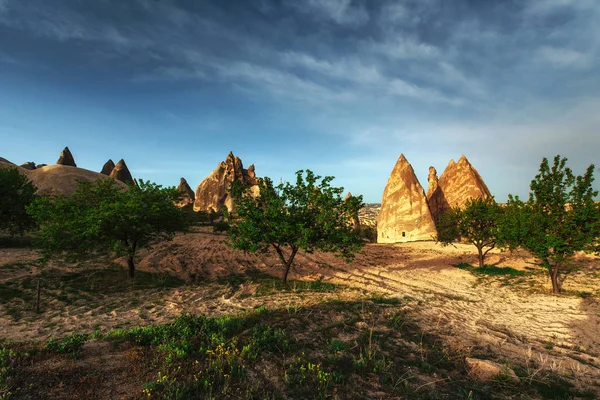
x=517 y=318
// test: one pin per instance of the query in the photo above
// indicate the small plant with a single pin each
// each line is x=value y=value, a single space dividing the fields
x=72 y=344
x=307 y=379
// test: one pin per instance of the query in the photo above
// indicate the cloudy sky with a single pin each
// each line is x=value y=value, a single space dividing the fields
x=338 y=86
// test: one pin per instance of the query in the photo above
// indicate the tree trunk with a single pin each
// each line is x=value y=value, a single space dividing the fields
x=480 y=255
x=287 y=263
x=131 y=266
x=554 y=277
x=37 y=299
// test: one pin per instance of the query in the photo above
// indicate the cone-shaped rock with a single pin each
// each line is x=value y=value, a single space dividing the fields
x=121 y=173
x=404 y=215
x=108 y=167
x=187 y=198
x=212 y=194
x=66 y=158
x=459 y=182
x=30 y=166
x=354 y=219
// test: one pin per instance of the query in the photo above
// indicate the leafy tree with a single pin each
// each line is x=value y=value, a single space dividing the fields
x=103 y=216
x=477 y=223
x=16 y=193
x=559 y=219
x=309 y=215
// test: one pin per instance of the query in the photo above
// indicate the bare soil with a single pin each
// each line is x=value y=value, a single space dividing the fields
x=514 y=317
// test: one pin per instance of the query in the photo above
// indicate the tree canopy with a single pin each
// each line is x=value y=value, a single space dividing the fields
x=477 y=223
x=103 y=216
x=16 y=193
x=559 y=218
x=309 y=215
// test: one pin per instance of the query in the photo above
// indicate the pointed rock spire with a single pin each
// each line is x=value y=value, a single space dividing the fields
x=404 y=215
x=187 y=198
x=432 y=181
x=66 y=158
x=108 y=167
x=121 y=173
x=459 y=183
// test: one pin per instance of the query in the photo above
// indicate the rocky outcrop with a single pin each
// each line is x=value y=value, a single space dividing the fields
x=486 y=370
x=404 y=215
x=187 y=198
x=121 y=173
x=459 y=183
x=108 y=167
x=30 y=166
x=354 y=220
x=4 y=163
x=66 y=158
x=432 y=182
x=212 y=194
x=61 y=179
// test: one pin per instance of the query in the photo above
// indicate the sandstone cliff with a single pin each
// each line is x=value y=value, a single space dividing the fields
x=212 y=193
x=404 y=215
x=459 y=182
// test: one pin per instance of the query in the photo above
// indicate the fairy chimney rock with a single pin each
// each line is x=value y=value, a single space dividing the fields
x=108 y=167
x=354 y=218
x=121 y=173
x=187 y=198
x=66 y=158
x=212 y=194
x=432 y=181
x=458 y=183
x=404 y=215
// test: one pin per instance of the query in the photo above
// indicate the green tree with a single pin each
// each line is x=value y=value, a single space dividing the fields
x=559 y=219
x=103 y=216
x=477 y=223
x=309 y=215
x=16 y=193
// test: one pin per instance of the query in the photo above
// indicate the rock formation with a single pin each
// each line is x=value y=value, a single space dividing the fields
x=66 y=158
x=212 y=194
x=432 y=182
x=121 y=173
x=187 y=199
x=404 y=215
x=28 y=166
x=459 y=183
x=108 y=167
x=354 y=219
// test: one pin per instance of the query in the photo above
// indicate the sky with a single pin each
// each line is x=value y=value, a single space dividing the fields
x=341 y=87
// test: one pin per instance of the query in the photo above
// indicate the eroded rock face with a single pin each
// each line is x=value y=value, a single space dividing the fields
x=66 y=158
x=212 y=193
x=108 y=167
x=30 y=166
x=61 y=179
x=459 y=183
x=404 y=215
x=187 y=200
x=121 y=173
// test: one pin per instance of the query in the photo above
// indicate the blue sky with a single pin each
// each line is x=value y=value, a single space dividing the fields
x=338 y=86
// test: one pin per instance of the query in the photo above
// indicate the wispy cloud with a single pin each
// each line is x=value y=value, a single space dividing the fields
x=564 y=58
x=339 y=11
